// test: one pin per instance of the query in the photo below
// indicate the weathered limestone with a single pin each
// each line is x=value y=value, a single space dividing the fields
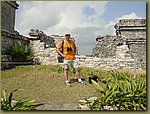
x=132 y=28
x=109 y=63
x=7 y=39
x=104 y=45
x=6 y=58
x=129 y=43
x=43 y=48
x=8 y=9
x=8 y=35
x=40 y=35
x=110 y=51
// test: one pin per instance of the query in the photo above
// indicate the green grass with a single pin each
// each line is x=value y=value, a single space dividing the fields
x=46 y=83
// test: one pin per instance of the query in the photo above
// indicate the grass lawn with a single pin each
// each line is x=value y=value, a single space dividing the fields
x=46 y=84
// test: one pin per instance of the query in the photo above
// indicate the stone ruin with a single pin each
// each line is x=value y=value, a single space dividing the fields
x=124 y=50
x=40 y=35
x=127 y=49
x=8 y=35
x=129 y=43
x=43 y=47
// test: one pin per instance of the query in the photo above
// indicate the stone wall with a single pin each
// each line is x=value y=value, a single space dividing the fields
x=8 y=35
x=132 y=28
x=7 y=39
x=104 y=45
x=43 y=47
x=122 y=60
x=42 y=55
x=8 y=9
x=119 y=51
x=138 y=50
x=131 y=36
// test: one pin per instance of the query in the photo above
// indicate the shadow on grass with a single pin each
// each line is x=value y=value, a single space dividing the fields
x=75 y=80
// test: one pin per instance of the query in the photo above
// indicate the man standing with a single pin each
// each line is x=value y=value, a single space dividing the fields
x=68 y=53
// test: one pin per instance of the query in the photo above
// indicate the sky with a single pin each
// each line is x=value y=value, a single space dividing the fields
x=84 y=20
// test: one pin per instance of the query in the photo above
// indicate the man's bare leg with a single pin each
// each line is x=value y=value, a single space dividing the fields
x=66 y=74
x=78 y=75
x=66 y=77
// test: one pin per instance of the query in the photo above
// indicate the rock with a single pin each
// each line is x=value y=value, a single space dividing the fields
x=83 y=107
x=108 y=108
x=57 y=107
x=83 y=103
x=93 y=98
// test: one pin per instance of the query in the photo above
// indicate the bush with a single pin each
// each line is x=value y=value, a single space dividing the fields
x=20 y=52
x=24 y=104
x=122 y=92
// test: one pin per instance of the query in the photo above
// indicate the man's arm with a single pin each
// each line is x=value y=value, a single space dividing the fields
x=59 y=52
x=58 y=49
x=75 y=48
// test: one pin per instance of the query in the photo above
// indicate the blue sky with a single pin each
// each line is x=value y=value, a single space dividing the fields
x=85 y=20
x=117 y=9
x=88 y=11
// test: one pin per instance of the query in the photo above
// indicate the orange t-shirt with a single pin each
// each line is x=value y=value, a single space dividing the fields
x=67 y=44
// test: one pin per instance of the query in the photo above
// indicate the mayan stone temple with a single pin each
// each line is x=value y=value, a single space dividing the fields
x=127 y=49
x=128 y=44
x=9 y=36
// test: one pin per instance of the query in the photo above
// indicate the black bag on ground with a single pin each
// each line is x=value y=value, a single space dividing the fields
x=96 y=78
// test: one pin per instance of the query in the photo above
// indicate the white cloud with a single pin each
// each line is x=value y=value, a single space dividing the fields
x=55 y=17
x=110 y=25
x=130 y=16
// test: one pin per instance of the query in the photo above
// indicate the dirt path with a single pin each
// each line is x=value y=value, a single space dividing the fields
x=58 y=107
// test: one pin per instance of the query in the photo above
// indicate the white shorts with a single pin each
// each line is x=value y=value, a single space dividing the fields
x=71 y=64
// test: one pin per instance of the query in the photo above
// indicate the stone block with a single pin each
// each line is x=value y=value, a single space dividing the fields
x=81 y=56
x=89 y=58
x=6 y=58
x=81 y=60
x=82 y=64
x=96 y=59
x=46 y=51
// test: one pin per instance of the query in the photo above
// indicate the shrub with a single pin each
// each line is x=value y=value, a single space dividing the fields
x=23 y=104
x=122 y=93
x=20 y=52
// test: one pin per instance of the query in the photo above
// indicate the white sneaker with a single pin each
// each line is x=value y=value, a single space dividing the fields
x=81 y=82
x=68 y=84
